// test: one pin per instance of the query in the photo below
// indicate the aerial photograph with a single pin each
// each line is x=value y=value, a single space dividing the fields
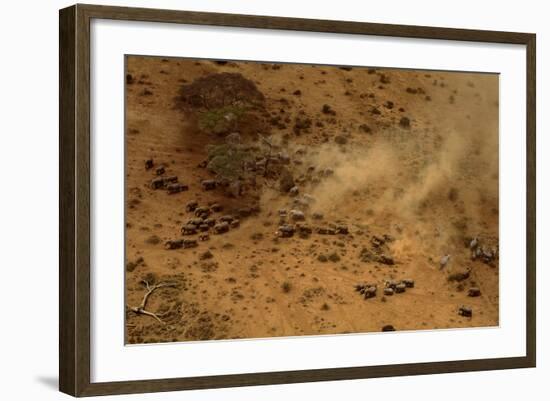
x=266 y=199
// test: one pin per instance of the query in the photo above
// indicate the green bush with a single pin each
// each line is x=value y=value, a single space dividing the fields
x=219 y=90
x=286 y=287
x=221 y=120
x=227 y=160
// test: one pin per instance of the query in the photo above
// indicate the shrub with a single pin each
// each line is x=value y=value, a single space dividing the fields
x=220 y=90
x=221 y=120
x=334 y=257
x=227 y=160
x=221 y=103
x=286 y=287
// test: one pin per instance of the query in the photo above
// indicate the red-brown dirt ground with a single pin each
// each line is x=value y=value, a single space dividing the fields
x=405 y=160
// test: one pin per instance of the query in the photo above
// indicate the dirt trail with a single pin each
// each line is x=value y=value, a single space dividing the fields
x=429 y=186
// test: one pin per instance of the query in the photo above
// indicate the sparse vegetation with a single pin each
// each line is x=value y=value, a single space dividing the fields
x=206 y=255
x=286 y=287
x=257 y=237
x=153 y=240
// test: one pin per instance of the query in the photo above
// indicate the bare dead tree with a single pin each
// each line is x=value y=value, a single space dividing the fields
x=270 y=145
x=140 y=309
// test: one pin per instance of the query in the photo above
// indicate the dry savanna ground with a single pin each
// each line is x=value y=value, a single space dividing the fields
x=267 y=200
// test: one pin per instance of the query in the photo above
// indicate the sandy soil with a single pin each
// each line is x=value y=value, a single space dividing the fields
x=425 y=190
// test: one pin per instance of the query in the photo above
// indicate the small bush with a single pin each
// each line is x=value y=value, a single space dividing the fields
x=153 y=240
x=206 y=255
x=257 y=237
x=286 y=287
x=453 y=194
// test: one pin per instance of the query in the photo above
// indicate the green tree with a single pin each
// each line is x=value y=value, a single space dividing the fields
x=228 y=160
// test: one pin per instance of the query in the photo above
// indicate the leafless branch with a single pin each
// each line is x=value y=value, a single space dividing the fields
x=140 y=309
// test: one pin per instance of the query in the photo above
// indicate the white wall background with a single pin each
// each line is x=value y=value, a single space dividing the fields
x=28 y=201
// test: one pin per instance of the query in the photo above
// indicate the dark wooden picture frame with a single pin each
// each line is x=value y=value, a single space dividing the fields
x=74 y=203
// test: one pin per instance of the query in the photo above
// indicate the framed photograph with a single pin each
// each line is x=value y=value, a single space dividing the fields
x=250 y=200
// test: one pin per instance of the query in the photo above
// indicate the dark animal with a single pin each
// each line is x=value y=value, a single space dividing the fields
x=208 y=185
x=176 y=188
